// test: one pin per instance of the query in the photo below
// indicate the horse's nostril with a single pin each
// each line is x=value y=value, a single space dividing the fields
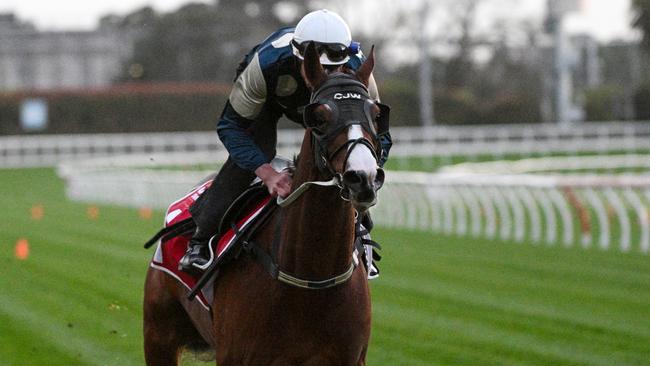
x=353 y=178
x=360 y=188
x=379 y=178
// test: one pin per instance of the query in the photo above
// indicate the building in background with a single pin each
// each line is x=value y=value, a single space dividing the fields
x=34 y=60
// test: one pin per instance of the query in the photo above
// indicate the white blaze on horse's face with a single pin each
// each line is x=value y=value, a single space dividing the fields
x=361 y=158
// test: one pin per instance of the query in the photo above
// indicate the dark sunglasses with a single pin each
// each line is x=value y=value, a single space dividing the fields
x=336 y=52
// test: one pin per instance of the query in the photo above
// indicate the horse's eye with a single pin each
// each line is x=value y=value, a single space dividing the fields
x=375 y=110
x=323 y=113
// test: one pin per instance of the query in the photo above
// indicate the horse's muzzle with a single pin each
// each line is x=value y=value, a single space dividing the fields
x=360 y=189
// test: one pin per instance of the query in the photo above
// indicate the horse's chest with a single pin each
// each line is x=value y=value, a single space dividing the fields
x=281 y=326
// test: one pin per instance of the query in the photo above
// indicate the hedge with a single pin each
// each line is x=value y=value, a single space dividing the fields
x=127 y=108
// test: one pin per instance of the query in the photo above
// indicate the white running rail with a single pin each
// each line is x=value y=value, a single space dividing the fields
x=440 y=141
x=602 y=211
x=587 y=210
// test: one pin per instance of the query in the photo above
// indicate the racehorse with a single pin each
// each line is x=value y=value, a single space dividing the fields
x=318 y=311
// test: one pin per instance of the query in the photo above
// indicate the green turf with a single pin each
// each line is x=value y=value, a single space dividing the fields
x=440 y=300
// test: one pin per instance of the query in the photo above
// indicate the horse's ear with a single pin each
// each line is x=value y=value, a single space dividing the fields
x=365 y=70
x=313 y=71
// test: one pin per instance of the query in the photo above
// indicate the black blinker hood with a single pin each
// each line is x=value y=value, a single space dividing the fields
x=343 y=95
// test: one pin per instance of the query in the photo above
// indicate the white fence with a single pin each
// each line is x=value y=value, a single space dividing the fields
x=525 y=139
x=588 y=210
x=45 y=150
x=502 y=200
x=445 y=141
x=135 y=182
x=602 y=211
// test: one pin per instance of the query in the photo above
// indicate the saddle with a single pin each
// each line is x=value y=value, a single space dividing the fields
x=243 y=217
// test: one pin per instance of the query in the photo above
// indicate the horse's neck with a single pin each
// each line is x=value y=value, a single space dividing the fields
x=318 y=232
x=318 y=235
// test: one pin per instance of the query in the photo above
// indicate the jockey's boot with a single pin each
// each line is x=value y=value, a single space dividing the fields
x=197 y=255
x=371 y=256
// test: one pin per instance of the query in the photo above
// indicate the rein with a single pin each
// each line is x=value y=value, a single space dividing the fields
x=336 y=180
x=291 y=198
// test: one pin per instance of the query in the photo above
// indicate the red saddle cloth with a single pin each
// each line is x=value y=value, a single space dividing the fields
x=169 y=252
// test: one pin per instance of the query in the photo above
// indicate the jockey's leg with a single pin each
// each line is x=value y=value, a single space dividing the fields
x=231 y=181
x=208 y=210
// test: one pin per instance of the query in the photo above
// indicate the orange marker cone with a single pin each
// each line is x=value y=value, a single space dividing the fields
x=145 y=213
x=93 y=212
x=37 y=212
x=22 y=249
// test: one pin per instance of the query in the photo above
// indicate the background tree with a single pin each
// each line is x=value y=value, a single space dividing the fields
x=198 y=41
x=642 y=95
x=460 y=65
x=206 y=41
x=642 y=19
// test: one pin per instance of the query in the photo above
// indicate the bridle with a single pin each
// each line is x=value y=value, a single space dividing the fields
x=343 y=94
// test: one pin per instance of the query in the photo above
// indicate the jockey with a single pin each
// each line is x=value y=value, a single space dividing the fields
x=268 y=85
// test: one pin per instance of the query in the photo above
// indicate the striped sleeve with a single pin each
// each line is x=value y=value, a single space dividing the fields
x=248 y=94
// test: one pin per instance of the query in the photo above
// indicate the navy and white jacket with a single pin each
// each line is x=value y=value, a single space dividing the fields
x=268 y=85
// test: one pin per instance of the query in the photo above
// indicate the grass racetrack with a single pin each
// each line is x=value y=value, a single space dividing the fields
x=76 y=298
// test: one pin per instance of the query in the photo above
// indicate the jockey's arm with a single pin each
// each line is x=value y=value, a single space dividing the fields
x=246 y=100
x=232 y=129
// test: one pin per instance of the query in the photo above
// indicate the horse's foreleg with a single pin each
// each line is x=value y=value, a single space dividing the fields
x=362 y=359
x=164 y=321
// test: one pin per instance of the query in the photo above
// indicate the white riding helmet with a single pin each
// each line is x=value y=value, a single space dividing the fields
x=330 y=32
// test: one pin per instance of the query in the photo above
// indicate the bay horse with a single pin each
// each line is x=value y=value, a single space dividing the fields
x=317 y=311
